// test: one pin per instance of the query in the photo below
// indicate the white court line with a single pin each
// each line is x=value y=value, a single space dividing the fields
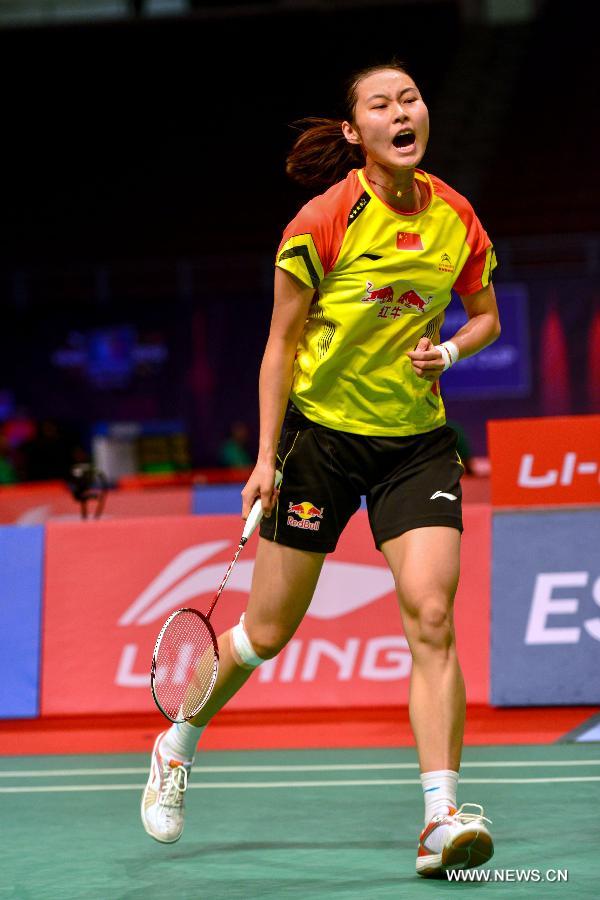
x=261 y=785
x=342 y=767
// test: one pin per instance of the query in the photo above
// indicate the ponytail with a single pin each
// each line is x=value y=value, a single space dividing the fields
x=321 y=155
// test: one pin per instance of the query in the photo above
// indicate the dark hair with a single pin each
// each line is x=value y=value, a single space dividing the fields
x=321 y=155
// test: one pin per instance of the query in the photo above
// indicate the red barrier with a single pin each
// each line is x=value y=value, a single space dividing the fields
x=32 y=503
x=229 y=475
x=550 y=461
x=110 y=585
x=35 y=504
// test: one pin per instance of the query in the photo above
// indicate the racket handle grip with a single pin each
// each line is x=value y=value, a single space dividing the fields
x=256 y=512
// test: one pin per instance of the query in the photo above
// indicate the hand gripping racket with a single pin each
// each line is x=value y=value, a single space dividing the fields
x=185 y=662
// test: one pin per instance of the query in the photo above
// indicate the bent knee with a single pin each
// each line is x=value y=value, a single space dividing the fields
x=432 y=625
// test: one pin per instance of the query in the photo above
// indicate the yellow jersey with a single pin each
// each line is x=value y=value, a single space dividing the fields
x=382 y=280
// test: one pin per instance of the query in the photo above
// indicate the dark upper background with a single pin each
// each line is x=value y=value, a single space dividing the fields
x=143 y=185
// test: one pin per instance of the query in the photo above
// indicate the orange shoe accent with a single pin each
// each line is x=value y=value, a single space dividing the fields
x=468 y=843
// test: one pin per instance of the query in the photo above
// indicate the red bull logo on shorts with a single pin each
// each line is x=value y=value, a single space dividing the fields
x=309 y=515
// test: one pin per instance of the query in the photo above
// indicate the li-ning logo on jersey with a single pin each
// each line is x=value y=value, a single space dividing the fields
x=307 y=513
x=445 y=264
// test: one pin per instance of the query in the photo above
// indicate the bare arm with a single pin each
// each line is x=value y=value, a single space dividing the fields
x=481 y=329
x=290 y=309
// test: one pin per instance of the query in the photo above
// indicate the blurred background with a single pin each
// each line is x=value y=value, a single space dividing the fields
x=144 y=194
x=142 y=200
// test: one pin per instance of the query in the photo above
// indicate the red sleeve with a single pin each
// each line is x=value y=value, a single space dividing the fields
x=315 y=221
x=311 y=243
x=476 y=273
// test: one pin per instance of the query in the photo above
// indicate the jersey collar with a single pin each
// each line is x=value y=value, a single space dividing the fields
x=420 y=176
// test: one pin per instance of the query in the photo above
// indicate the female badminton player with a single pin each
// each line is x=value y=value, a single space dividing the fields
x=350 y=405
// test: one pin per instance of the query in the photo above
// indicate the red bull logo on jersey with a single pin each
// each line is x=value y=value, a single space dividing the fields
x=309 y=515
x=381 y=295
x=413 y=303
x=410 y=301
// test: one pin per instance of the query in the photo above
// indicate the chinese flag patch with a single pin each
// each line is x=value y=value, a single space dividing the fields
x=407 y=240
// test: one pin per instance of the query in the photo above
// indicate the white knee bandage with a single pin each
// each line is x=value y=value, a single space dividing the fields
x=242 y=649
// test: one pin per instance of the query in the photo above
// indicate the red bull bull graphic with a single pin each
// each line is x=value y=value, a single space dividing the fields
x=382 y=295
x=413 y=302
x=309 y=515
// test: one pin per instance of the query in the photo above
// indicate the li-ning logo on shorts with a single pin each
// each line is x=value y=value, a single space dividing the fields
x=309 y=516
x=443 y=494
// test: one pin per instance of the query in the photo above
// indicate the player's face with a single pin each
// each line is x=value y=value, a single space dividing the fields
x=391 y=121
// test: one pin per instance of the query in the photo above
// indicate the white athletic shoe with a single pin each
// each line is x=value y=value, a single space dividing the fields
x=459 y=840
x=163 y=797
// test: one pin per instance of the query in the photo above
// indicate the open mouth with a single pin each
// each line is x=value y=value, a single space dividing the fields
x=403 y=140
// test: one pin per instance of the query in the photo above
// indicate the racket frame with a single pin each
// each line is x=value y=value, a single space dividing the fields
x=153 y=672
x=252 y=521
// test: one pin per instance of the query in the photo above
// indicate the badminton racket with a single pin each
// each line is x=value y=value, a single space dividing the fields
x=185 y=662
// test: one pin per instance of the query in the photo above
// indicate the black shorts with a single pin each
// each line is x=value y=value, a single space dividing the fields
x=409 y=482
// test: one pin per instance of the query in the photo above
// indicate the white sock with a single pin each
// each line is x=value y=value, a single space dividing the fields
x=180 y=741
x=439 y=792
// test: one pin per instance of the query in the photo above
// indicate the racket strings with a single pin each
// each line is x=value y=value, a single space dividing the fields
x=186 y=665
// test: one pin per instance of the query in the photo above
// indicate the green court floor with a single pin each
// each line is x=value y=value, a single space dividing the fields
x=299 y=824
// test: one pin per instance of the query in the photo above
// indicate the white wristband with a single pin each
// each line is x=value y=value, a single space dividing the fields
x=450 y=353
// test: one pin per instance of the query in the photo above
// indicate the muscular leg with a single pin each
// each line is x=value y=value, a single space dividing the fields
x=283 y=584
x=425 y=564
